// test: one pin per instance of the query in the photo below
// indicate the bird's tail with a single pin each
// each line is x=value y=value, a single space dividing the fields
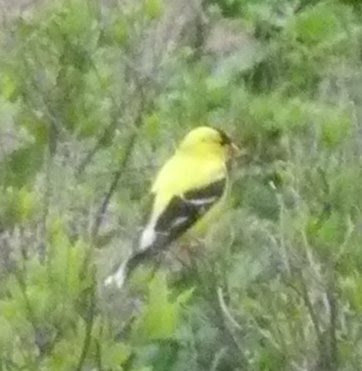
x=127 y=267
x=118 y=277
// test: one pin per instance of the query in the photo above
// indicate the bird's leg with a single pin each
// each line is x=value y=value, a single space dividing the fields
x=183 y=255
x=189 y=253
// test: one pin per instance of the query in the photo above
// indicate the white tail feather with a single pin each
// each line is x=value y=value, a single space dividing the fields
x=118 y=277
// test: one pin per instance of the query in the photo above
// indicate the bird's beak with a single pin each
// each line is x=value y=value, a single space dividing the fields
x=235 y=151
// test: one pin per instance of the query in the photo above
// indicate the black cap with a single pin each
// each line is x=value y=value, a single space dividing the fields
x=225 y=139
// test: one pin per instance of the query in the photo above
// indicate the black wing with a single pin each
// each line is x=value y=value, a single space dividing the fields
x=184 y=211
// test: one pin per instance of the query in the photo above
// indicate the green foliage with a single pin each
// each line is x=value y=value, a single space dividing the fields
x=93 y=97
x=18 y=206
x=160 y=318
x=153 y=8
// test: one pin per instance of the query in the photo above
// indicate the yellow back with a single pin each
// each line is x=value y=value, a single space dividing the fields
x=183 y=172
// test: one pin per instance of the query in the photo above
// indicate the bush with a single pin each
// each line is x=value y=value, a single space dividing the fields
x=93 y=97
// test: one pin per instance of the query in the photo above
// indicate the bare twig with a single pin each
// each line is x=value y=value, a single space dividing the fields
x=226 y=311
x=117 y=176
x=38 y=338
x=225 y=317
x=97 y=146
x=217 y=358
x=140 y=75
x=333 y=315
x=99 y=355
x=107 y=131
x=312 y=313
x=90 y=323
x=284 y=250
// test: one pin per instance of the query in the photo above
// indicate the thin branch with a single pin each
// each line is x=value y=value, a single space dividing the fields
x=30 y=313
x=117 y=176
x=45 y=345
x=313 y=315
x=226 y=330
x=107 y=131
x=283 y=246
x=226 y=311
x=97 y=146
x=113 y=124
x=219 y=355
x=89 y=327
x=333 y=315
x=99 y=355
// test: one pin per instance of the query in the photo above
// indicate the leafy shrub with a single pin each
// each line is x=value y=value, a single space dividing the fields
x=93 y=97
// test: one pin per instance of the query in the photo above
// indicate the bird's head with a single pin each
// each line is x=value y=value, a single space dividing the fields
x=205 y=140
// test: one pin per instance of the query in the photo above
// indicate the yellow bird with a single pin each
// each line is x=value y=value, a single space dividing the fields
x=187 y=189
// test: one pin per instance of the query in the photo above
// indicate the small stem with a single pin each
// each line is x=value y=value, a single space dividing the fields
x=333 y=315
x=107 y=197
x=99 y=356
x=89 y=327
x=88 y=158
x=225 y=309
x=312 y=314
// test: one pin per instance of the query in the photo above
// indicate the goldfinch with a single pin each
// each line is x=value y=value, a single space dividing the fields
x=186 y=190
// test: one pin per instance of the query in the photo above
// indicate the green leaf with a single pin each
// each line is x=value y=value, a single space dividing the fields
x=332 y=232
x=120 y=31
x=318 y=23
x=351 y=286
x=18 y=206
x=158 y=307
x=27 y=204
x=153 y=8
x=115 y=355
x=8 y=86
x=22 y=165
x=160 y=316
x=6 y=334
x=335 y=129
x=152 y=126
